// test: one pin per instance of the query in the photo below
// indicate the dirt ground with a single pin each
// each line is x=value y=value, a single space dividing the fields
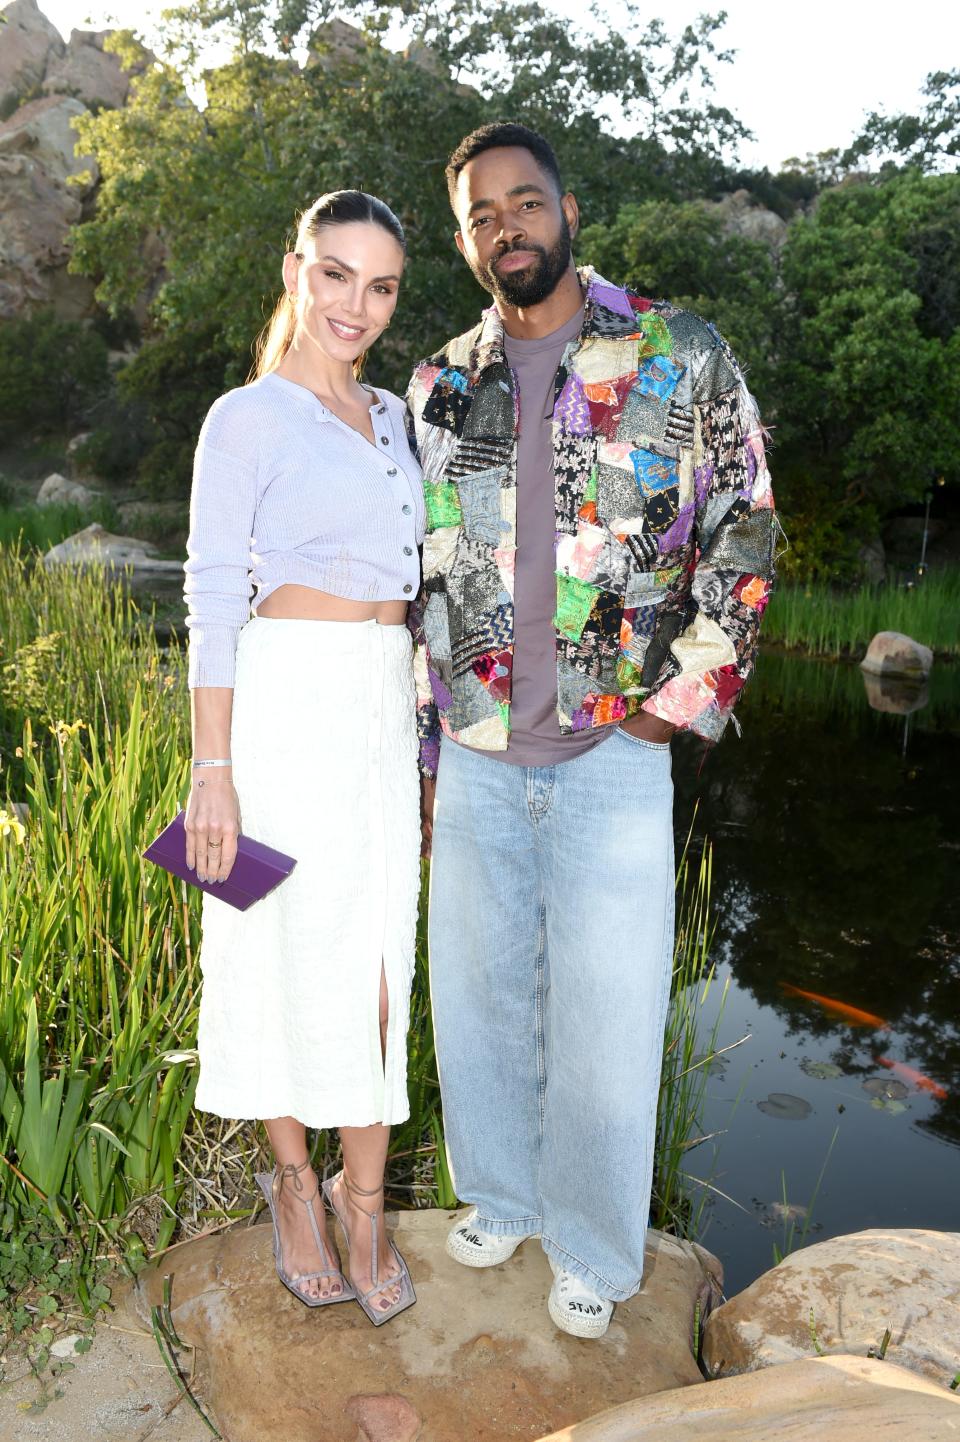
x=119 y=1391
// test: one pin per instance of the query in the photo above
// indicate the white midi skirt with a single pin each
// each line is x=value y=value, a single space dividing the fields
x=325 y=766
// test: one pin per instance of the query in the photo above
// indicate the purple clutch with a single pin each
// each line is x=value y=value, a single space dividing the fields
x=256 y=871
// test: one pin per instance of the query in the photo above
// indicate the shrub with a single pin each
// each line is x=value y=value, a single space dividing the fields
x=51 y=372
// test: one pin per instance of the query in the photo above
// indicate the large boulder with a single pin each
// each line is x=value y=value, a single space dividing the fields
x=95 y=545
x=827 y=1399
x=890 y=653
x=89 y=72
x=28 y=42
x=58 y=490
x=43 y=129
x=477 y=1357
x=842 y=1295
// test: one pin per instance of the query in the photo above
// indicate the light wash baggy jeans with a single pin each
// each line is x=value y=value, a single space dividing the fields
x=551 y=943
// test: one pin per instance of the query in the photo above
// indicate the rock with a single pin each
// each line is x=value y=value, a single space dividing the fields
x=89 y=72
x=872 y=559
x=477 y=1357
x=335 y=42
x=826 y=1399
x=846 y=1292
x=56 y=490
x=37 y=213
x=29 y=42
x=43 y=129
x=741 y=215
x=96 y=546
x=75 y=442
x=894 y=694
x=890 y=653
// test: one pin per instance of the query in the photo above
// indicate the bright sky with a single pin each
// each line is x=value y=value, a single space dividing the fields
x=803 y=77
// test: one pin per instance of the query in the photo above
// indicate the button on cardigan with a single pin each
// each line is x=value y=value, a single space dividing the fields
x=285 y=491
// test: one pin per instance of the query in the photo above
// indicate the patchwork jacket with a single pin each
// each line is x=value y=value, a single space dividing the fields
x=665 y=525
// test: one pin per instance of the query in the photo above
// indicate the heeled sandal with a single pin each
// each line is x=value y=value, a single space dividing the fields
x=407 y=1297
x=271 y=1184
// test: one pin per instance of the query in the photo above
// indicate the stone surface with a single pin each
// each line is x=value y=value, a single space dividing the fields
x=827 y=1399
x=98 y=546
x=29 y=42
x=890 y=653
x=57 y=490
x=854 y=1287
x=477 y=1357
x=44 y=130
x=89 y=72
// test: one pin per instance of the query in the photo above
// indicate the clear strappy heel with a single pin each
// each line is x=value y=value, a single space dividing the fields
x=407 y=1297
x=271 y=1184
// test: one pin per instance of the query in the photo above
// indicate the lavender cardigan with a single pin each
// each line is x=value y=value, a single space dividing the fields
x=283 y=490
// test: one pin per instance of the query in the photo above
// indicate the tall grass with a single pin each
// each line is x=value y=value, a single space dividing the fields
x=99 y=976
x=831 y=622
x=45 y=526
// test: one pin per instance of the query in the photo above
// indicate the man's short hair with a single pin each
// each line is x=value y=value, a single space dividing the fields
x=495 y=137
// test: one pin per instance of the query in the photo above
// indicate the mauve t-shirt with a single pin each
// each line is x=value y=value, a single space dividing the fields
x=535 y=736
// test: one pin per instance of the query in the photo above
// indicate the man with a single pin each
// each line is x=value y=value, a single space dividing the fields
x=599 y=553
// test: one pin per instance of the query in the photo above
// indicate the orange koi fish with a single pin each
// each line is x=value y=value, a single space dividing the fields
x=914 y=1077
x=851 y=1014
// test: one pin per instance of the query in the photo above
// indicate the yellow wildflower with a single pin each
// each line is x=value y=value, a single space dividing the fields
x=12 y=825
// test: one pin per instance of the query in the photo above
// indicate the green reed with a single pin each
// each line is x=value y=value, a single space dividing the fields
x=679 y=1198
x=820 y=618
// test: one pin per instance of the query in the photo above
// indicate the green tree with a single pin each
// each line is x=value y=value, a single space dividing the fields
x=869 y=363
x=929 y=140
x=682 y=251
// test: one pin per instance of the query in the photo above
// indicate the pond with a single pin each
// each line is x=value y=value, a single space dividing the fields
x=836 y=854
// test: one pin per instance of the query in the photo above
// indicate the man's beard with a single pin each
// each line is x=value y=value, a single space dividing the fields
x=540 y=279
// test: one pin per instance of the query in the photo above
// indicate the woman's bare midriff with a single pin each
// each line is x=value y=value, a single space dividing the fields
x=303 y=603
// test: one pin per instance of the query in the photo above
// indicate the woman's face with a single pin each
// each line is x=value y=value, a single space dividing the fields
x=345 y=287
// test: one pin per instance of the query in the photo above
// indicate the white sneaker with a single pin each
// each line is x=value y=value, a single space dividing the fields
x=574 y=1307
x=471 y=1247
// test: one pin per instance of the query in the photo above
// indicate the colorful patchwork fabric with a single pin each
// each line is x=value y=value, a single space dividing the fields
x=665 y=525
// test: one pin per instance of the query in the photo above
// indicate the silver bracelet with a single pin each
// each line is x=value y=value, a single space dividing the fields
x=219 y=762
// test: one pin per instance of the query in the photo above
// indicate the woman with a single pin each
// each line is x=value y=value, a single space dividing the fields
x=306 y=492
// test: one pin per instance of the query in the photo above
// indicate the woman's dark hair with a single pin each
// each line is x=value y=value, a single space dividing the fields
x=495 y=137
x=339 y=207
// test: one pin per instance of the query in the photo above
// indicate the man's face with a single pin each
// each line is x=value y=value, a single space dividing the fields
x=516 y=232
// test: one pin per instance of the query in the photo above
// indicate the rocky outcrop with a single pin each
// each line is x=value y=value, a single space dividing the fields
x=43 y=129
x=477 y=1357
x=44 y=86
x=828 y=1399
x=89 y=72
x=890 y=653
x=28 y=44
x=741 y=215
x=842 y=1295
x=37 y=213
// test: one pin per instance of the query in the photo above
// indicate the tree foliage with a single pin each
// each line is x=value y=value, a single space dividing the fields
x=929 y=140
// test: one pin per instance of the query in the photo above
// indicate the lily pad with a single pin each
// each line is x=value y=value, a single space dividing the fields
x=888 y=1087
x=822 y=1070
x=784 y=1107
x=882 y=1104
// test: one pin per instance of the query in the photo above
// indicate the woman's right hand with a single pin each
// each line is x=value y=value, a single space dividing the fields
x=212 y=826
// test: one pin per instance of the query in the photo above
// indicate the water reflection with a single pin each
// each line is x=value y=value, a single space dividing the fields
x=836 y=849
